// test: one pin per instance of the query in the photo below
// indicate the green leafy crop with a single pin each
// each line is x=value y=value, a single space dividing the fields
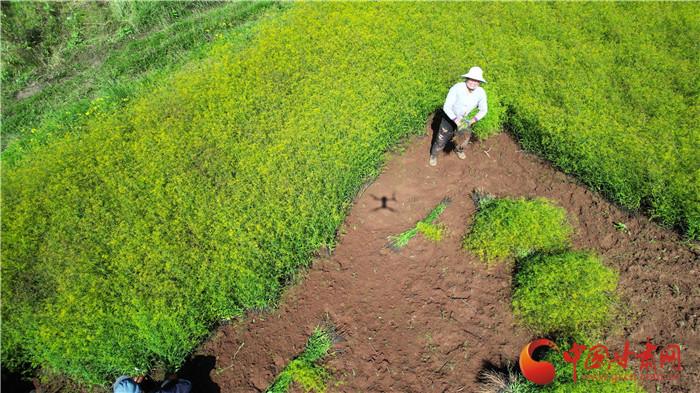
x=304 y=369
x=431 y=231
x=425 y=226
x=506 y=228
x=566 y=295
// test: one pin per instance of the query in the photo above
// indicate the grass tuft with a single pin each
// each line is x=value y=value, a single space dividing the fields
x=508 y=381
x=566 y=295
x=431 y=231
x=304 y=370
x=425 y=226
x=514 y=228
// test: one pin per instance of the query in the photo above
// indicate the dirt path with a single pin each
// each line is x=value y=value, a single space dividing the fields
x=430 y=317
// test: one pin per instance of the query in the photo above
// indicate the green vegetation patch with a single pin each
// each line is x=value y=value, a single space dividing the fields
x=123 y=50
x=506 y=228
x=425 y=226
x=304 y=370
x=566 y=295
x=431 y=231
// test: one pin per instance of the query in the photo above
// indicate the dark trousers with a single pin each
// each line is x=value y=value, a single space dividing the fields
x=444 y=134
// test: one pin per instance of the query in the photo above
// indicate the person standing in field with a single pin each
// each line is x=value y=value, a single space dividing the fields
x=461 y=100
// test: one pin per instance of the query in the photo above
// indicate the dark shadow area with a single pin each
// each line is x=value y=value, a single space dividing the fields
x=384 y=200
x=14 y=382
x=197 y=370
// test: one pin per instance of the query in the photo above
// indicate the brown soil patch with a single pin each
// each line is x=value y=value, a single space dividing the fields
x=430 y=317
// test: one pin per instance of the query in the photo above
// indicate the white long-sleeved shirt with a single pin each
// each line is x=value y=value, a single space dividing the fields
x=460 y=102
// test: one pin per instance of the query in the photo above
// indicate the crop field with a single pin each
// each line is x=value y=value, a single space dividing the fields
x=139 y=216
x=88 y=62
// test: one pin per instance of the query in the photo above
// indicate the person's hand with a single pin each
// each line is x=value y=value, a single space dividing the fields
x=138 y=379
x=471 y=122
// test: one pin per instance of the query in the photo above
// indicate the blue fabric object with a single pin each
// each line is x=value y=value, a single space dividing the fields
x=176 y=386
x=125 y=384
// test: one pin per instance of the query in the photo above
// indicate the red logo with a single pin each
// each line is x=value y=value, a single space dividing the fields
x=541 y=373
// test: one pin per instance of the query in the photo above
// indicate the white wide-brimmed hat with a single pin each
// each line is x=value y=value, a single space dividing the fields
x=475 y=73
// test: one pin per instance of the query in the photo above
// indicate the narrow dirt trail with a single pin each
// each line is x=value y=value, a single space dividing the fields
x=429 y=317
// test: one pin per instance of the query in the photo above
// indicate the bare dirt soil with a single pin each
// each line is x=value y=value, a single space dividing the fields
x=430 y=317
